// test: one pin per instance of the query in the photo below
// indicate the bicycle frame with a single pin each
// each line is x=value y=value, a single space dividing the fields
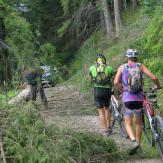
x=153 y=122
x=151 y=117
x=152 y=126
x=148 y=107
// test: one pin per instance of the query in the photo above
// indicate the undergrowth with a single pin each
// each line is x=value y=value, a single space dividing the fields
x=27 y=139
x=6 y=95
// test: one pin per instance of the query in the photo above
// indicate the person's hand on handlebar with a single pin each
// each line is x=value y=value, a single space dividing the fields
x=156 y=87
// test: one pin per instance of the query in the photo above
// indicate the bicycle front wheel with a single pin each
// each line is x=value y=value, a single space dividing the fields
x=121 y=123
x=159 y=135
x=122 y=128
x=147 y=129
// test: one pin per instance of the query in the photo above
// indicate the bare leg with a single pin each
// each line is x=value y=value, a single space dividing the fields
x=107 y=116
x=128 y=124
x=103 y=122
x=138 y=123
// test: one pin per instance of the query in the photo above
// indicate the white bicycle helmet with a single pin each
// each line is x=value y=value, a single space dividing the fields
x=131 y=53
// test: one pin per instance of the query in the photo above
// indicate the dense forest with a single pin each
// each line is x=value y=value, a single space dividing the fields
x=67 y=34
x=50 y=32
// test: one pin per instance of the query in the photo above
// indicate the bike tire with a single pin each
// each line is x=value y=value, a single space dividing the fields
x=120 y=121
x=159 y=140
x=147 y=132
x=122 y=128
x=112 y=123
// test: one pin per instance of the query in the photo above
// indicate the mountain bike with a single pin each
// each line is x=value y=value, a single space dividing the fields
x=117 y=115
x=152 y=124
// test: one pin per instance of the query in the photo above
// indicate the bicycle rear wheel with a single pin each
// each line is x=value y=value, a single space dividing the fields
x=147 y=129
x=120 y=122
x=159 y=135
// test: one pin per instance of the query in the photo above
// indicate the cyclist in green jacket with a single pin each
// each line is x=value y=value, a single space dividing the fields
x=101 y=77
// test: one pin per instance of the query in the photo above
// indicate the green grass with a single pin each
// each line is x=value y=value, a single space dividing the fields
x=5 y=96
x=26 y=139
x=8 y=94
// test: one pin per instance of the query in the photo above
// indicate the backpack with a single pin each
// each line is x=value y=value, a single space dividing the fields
x=134 y=80
x=102 y=77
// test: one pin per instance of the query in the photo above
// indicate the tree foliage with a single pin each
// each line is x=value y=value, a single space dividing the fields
x=58 y=28
x=47 y=54
x=19 y=38
x=150 y=5
x=151 y=42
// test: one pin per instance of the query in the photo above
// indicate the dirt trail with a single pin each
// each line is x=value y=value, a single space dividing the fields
x=66 y=107
x=69 y=108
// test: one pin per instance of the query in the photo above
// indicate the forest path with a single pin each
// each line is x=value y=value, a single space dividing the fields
x=69 y=108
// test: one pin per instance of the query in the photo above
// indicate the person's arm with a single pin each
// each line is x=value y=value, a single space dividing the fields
x=113 y=72
x=151 y=75
x=117 y=79
x=90 y=77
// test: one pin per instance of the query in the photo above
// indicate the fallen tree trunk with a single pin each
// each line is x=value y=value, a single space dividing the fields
x=2 y=151
x=22 y=96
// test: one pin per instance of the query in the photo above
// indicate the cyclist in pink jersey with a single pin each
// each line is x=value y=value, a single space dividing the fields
x=133 y=96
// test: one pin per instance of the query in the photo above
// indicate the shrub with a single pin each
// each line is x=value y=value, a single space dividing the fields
x=26 y=139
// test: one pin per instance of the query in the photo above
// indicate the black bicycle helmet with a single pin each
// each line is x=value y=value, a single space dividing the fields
x=99 y=55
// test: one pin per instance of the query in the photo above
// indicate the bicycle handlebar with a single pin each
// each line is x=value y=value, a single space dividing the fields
x=151 y=90
x=151 y=94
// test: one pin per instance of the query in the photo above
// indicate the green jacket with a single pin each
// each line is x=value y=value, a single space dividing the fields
x=93 y=72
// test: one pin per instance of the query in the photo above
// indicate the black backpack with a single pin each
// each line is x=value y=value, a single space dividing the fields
x=31 y=78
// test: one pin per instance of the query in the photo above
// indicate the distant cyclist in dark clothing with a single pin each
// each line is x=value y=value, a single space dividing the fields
x=33 y=77
x=101 y=76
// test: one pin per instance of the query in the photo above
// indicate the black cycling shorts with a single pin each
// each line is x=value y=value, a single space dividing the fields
x=133 y=105
x=102 y=97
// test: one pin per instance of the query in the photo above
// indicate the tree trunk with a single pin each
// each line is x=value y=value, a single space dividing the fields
x=24 y=95
x=102 y=21
x=107 y=17
x=134 y=3
x=5 y=72
x=125 y=4
x=118 y=21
